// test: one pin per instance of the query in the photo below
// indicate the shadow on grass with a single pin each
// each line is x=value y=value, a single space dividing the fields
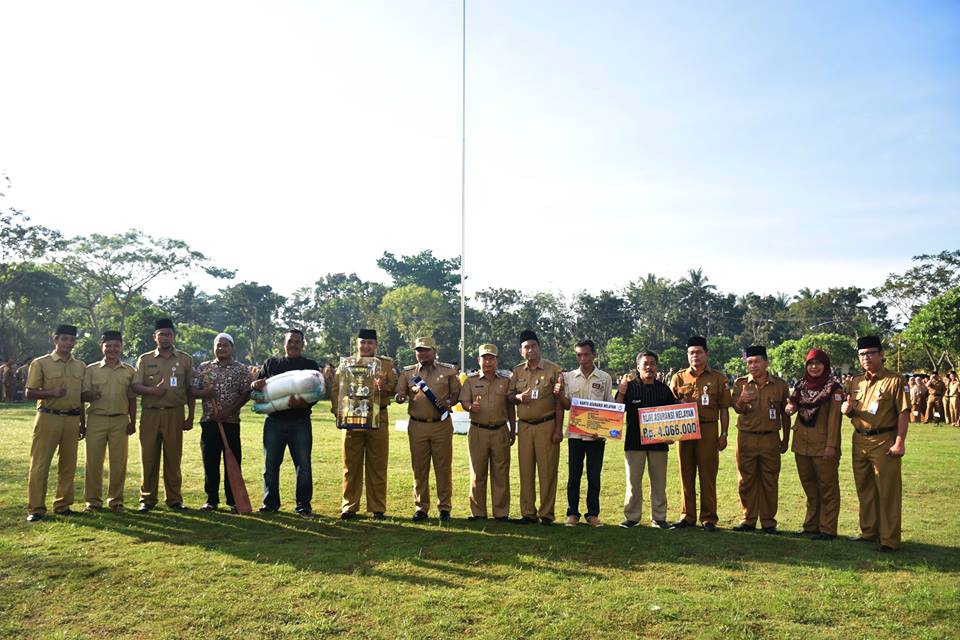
x=450 y=553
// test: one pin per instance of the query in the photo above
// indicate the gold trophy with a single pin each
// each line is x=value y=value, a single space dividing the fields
x=359 y=398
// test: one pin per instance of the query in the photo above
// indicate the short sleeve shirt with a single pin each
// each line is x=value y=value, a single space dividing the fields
x=492 y=393
x=707 y=388
x=541 y=378
x=878 y=400
x=51 y=372
x=443 y=382
x=114 y=386
x=152 y=367
x=230 y=381
x=764 y=411
x=596 y=386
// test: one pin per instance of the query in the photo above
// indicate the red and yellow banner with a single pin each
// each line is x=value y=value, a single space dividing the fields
x=669 y=423
x=596 y=418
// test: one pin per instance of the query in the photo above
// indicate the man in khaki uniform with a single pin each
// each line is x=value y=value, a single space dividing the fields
x=760 y=399
x=540 y=417
x=430 y=428
x=162 y=378
x=700 y=459
x=935 y=391
x=111 y=417
x=879 y=411
x=366 y=451
x=55 y=381
x=951 y=399
x=484 y=395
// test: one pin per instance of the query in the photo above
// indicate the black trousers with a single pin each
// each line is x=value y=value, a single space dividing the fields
x=211 y=449
x=592 y=450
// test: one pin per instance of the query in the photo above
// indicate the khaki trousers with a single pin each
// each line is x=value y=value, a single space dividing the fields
x=950 y=409
x=161 y=435
x=656 y=463
x=431 y=442
x=699 y=459
x=104 y=431
x=934 y=406
x=539 y=459
x=365 y=455
x=758 y=471
x=52 y=434
x=489 y=457
x=879 y=487
x=820 y=480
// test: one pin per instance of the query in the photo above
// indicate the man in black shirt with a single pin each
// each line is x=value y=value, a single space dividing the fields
x=643 y=391
x=288 y=428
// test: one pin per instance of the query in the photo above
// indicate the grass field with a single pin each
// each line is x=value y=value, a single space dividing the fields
x=216 y=575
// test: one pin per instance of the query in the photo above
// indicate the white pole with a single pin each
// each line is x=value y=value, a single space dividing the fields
x=463 y=182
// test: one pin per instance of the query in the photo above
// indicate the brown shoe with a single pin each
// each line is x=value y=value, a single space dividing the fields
x=594 y=521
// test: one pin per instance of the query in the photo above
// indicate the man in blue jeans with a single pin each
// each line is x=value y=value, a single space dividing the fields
x=288 y=428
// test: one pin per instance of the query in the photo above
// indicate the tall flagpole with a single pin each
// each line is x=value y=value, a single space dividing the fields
x=463 y=182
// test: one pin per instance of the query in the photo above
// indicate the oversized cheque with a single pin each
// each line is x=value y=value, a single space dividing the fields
x=596 y=418
x=669 y=423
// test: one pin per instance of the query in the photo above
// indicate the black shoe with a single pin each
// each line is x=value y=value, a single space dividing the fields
x=885 y=549
x=233 y=509
x=178 y=506
x=144 y=507
x=348 y=515
x=35 y=517
x=629 y=524
x=681 y=524
x=861 y=539
x=378 y=515
x=744 y=527
x=444 y=516
x=524 y=520
x=266 y=509
x=419 y=516
x=807 y=534
x=475 y=518
x=502 y=519
x=823 y=536
x=546 y=522
x=709 y=527
x=773 y=531
x=306 y=514
x=66 y=512
x=209 y=507
x=661 y=524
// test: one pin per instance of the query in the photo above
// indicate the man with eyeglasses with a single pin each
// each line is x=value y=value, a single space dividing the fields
x=880 y=413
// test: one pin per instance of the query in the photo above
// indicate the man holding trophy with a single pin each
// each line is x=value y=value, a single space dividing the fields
x=359 y=396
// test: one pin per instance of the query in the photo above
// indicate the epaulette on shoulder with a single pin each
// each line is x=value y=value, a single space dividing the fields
x=410 y=367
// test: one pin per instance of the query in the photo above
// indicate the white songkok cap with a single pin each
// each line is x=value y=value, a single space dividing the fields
x=225 y=336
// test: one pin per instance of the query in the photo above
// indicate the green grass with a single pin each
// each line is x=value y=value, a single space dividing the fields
x=200 y=575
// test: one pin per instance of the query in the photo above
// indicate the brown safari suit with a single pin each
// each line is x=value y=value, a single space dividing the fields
x=431 y=439
x=699 y=459
x=819 y=477
x=366 y=451
x=488 y=442
x=759 y=424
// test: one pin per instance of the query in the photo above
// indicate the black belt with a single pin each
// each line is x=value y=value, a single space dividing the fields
x=875 y=432
x=426 y=419
x=756 y=433
x=162 y=408
x=538 y=420
x=492 y=427
x=58 y=412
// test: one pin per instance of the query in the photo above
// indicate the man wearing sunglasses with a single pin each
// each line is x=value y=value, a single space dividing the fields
x=880 y=412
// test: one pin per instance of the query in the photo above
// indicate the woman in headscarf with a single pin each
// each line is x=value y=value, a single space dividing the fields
x=816 y=443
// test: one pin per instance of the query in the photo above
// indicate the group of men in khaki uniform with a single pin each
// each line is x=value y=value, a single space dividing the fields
x=62 y=385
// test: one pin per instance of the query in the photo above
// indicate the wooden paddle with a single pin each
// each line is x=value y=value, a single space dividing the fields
x=241 y=499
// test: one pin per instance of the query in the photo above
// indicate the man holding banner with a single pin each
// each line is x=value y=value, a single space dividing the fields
x=642 y=392
x=432 y=387
x=701 y=458
x=585 y=383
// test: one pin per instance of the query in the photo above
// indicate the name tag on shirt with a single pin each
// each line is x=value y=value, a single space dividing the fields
x=705 y=399
x=173 y=381
x=534 y=393
x=773 y=413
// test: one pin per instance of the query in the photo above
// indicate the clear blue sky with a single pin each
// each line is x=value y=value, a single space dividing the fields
x=774 y=145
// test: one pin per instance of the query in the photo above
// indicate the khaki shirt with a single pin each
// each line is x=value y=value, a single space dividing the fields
x=953 y=388
x=50 y=372
x=877 y=400
x=114 y=385
x=389 y=372
x=825 y=431
x=492 y=393
x=542 y=377
x=710 y=383
x=597 y=386
x=764 y=411
x=936 y=389
x=152 y=368
x=442 y=380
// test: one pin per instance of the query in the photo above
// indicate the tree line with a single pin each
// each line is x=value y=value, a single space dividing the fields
x=101 y=282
